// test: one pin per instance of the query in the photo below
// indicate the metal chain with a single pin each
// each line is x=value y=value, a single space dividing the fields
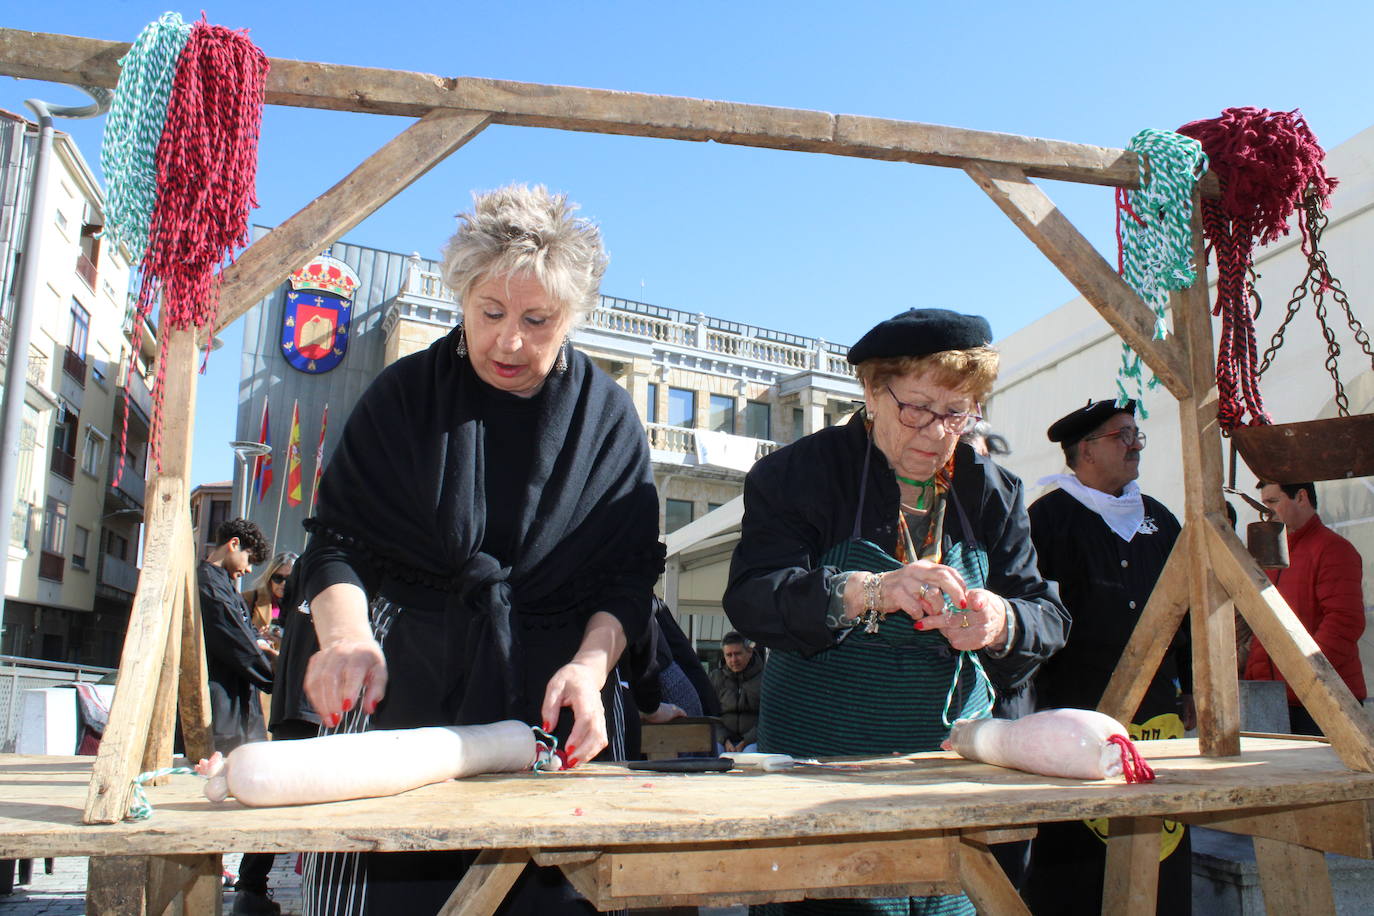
x=1318 y=281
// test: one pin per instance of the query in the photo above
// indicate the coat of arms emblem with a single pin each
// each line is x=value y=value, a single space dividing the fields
x=316 y=319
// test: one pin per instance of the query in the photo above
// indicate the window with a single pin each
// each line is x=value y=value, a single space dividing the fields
x=61 y=220
x=93 y=451
x=75 y=362
x=722 y=414
x=116 y=546
x=798 y=423
x=682 y=407
x=64 y=441
x=28 y=445
x=651 y=407
x=89 y=256
x=219 y=514
x=51 y=561
x=81 y=539
x=758 y=423
x=711 y=507
x=676 y=513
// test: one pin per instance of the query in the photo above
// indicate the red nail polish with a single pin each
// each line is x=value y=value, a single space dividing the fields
x=920 y=625
x=347 y=704
x=572 y=762
x=370 y=707
x=571 y=748
x=547 y=726
x=333 y=719
x=963 y=604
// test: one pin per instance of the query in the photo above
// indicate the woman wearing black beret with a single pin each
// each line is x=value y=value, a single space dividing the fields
x=889 y=568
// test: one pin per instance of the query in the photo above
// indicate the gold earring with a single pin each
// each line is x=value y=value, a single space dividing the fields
x=462 y=348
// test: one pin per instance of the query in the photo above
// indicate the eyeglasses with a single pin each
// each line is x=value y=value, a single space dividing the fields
x=278 y=579
x=917 y=417
x=1129 y=436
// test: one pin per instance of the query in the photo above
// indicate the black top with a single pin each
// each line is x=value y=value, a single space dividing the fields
x=523 y=519
x=802 y=500
x=1105 y=582
x=237 y=668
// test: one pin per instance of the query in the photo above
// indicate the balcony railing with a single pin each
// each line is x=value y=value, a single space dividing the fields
x=789 y=352
x=683 y=439
x=117 y=573
x=37 y=371
x=63 y=465
x=131 y=488
x=51 y=565
x=75 y=366
x=21 y=523
x=85 y=269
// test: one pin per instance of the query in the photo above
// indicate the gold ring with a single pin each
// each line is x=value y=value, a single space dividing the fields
x=963 y=621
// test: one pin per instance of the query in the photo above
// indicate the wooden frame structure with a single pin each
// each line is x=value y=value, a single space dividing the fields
x=1208 y=572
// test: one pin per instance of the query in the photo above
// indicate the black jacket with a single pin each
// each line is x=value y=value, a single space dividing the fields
x=739 y=696
x=238 y=669
x=802 y=500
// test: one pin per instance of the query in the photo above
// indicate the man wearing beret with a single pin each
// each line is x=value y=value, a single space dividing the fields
x=1105 y=543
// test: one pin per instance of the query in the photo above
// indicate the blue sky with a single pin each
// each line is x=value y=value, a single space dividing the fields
x=812 y=244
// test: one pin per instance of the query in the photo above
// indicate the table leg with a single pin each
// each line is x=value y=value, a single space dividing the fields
x=1132 y=880
x=1294 y=879
x=486 y=883
x=985 y=882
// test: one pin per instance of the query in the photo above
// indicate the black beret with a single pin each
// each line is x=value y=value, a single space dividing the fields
x=919 y=332
x=1072 y=427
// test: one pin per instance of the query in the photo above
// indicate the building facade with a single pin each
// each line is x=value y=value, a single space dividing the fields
x=714 y=395
x=77 y=519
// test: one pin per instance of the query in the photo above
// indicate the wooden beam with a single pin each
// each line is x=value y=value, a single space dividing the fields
x=176 y=877
x=985 y=883
x=304 y=84
x=1132 y=877
x=193 y=688
x=157 y=753
x=1345 y=828
x=1294 y=651
x=379 y=178
x=1036 y=215
x=1152 y=634
x=1216 y=691
x=486 y=883
x=1294 y=879
x=160 y=584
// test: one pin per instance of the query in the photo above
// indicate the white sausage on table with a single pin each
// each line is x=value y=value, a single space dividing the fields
x=366 y=764
x=1069 y=743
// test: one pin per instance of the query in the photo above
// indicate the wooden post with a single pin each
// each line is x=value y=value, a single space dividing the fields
x=193 y=690
x=1216 y=691
x=1132 y=878
x=1294 y=879
x=985 y=882
x=162 y=728
x=486 y=883
x=160 y=585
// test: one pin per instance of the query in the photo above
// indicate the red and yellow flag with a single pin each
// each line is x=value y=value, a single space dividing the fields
x=293 y=458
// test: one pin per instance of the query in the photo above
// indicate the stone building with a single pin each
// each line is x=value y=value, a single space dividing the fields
x=714 y=394
x=75 y=532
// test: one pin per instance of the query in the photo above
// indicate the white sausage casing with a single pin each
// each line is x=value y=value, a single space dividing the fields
x=372 y=764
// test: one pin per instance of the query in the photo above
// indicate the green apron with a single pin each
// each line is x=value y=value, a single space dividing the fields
x=893 y=691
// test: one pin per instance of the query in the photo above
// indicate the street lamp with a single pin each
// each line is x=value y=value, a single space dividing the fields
x=246 y=450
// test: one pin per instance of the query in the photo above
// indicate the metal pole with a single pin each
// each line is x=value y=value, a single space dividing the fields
x=16 y=367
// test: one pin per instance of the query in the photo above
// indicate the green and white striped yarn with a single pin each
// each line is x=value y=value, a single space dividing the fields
x=1156 y=237
x=128 y=153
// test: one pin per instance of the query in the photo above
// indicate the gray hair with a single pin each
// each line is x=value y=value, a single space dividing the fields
x=519 y=230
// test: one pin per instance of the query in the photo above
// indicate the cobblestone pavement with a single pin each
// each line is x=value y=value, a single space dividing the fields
x=63 y=893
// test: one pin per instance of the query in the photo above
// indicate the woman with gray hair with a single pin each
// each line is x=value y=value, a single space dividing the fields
x=486 y=540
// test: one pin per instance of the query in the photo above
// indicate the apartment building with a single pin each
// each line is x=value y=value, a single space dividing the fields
x=714 y=394
x=77 y=520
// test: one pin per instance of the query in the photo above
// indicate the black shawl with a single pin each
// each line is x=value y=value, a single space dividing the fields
x=402 y=507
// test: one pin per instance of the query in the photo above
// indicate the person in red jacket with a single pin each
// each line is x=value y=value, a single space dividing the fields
x=1322 y=586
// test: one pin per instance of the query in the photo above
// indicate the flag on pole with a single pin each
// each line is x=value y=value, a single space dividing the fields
x=319 y=460
x=262 y=465
x=293 y=458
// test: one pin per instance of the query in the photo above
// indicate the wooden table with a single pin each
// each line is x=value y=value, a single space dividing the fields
x=917 y=824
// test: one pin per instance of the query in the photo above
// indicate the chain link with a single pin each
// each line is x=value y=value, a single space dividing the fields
x=1318 y=282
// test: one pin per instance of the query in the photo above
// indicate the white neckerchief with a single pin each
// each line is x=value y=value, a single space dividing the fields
x=1124 y=514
